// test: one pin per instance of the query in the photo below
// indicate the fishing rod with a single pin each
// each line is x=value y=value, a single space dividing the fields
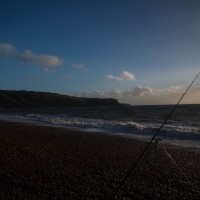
x=153 y=138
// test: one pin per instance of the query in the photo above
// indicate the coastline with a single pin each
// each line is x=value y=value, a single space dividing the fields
x=128 y=129
x=39 y=162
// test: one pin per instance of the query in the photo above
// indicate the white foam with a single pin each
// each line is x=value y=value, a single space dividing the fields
x=179 y=135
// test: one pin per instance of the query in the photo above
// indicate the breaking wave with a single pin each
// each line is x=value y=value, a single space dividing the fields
x=187 y=136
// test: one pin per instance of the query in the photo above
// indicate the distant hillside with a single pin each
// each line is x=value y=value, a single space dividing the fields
x=30 y=99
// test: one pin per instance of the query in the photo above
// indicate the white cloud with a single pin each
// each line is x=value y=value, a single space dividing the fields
x=7 y=49
x=140 y=95
x=137 y=91
x=171 y=90
x=116 y=78
x=125 y=75
x=78 y=66
x=91 y=94
x=177 y=87
x=116 y=93
x=140 y=91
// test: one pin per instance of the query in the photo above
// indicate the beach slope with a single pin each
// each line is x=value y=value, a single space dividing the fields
x=40 y=162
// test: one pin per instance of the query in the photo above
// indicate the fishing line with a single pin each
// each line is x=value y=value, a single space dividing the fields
x=153 y=138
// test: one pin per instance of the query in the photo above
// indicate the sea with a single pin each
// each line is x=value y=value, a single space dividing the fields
x=141 y=122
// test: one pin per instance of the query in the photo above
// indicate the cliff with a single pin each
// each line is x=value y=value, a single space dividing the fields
x=30 y=99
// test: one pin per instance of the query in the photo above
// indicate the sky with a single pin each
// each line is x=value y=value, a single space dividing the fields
x=141 y=52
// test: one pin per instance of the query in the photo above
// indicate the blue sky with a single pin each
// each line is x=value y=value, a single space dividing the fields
x=138 y=51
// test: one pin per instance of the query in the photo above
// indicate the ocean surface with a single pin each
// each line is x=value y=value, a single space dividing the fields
x=183 y=128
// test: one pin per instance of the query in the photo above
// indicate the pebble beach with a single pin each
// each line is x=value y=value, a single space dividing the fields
x=42 y=162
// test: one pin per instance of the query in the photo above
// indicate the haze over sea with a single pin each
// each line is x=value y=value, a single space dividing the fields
x=141 y=122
